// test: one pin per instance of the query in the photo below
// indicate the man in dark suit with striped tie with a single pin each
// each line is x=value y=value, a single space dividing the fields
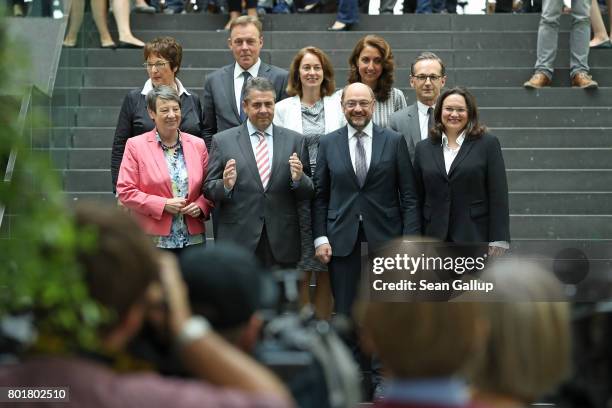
x=257 y=174
x=365 y=192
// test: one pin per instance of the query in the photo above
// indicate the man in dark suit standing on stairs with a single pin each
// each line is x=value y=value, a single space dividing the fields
x=256 y=178
x=224 y=88
x=365 y=192
x=427 y=77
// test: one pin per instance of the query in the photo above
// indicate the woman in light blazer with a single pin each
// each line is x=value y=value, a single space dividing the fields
x=161 y=176
x=313 y=111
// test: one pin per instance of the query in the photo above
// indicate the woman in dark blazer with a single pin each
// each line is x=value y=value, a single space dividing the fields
x=461 y=177
x=162 y=58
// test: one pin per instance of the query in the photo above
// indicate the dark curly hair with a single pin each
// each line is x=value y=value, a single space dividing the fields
x=294 y=86
x=473 y=129
x=168 y=48
x=385 y=81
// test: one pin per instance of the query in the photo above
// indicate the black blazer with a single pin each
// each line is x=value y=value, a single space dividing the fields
x=134 y=120
x=242 y=214
x=387 y=202
x=470 y=204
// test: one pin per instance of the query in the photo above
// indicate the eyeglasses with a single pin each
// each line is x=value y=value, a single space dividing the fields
x=159 y=65
x=423 y=78
x=449 y=110
x=353 y=104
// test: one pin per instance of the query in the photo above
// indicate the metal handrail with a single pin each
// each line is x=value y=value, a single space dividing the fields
x=21 y=122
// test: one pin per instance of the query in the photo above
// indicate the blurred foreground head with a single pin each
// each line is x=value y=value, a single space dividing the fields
x=121 y=264
x=424 y=340
x=528 y=352
x=228 y=286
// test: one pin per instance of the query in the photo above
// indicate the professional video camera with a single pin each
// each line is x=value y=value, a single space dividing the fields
x=306 y=353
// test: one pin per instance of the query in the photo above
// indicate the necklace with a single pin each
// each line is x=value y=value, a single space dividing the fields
x=171 y=147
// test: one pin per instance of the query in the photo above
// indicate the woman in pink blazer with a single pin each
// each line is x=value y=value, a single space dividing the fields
x=161 y=175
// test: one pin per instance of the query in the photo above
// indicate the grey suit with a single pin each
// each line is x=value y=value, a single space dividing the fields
x=218 y=102
x=243 y=213
x=406 y=122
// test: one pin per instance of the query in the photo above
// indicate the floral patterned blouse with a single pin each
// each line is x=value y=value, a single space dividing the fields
x=179 y=235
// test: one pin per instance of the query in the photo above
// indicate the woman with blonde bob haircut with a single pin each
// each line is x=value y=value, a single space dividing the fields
x=312 y=111
x=528 y=352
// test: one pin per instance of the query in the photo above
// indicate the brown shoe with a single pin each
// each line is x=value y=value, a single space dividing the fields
x=584 y=81
x=538 y=80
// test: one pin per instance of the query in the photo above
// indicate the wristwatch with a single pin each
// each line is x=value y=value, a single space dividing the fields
x=194 y=329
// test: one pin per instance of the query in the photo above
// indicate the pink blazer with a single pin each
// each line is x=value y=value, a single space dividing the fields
x=144 y=182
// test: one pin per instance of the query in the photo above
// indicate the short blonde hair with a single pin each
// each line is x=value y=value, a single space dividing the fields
x=528 y=352
x=428 y=339
x=244 y=21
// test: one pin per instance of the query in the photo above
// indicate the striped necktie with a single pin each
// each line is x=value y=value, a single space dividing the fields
x=262 y=158
x=361 y=164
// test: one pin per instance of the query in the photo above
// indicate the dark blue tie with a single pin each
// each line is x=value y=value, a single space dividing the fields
x=246 y=75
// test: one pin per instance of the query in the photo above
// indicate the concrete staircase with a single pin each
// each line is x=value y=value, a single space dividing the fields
x=557 y=142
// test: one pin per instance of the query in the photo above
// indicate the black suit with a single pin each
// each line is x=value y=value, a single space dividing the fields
x=470 y=204
x=134 y=120
x=243 y=213
x=387 y=203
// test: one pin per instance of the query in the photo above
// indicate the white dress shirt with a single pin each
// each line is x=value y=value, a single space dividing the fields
x=449 y=156
x=424 y=119
x=367 y=146
x=148 y=86
x=255 y=140
x=239 y=79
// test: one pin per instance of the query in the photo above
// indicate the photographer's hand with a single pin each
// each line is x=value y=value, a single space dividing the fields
x=209 y=357
x=176 y=292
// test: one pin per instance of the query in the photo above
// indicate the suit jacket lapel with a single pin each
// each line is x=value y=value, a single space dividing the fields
x=244 y=141
x=191 y=161
x=438 y=156
x=280 y=152
x=230 y=91
x=378 y=143
x=466 y=146
x=415 y=132
x=186 y=106
x=345 y=155
x=159 y=158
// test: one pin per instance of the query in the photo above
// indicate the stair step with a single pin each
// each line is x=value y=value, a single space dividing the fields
x=559 y=180
x=194 y=77
x=588 y=203
x=561 y=227
x=486 y=97
x=214 y=58
x=494 y=117
x=375 y=23
x=294 y=39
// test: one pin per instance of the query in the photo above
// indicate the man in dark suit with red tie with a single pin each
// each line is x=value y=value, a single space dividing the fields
x=256 y=178
x=365 y=192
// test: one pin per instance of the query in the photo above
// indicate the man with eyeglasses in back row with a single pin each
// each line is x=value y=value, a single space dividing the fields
x=427 y=77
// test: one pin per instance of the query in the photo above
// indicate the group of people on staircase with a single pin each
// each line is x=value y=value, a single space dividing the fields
x=299 y=173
